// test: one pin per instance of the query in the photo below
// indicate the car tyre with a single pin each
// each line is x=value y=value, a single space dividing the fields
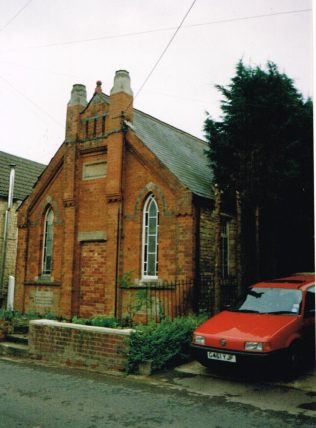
x=294 y=359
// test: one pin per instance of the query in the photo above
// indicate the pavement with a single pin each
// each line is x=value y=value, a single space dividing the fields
x=257 y=390
x=191 y=376
x=294 y=398
x=305 y=382
x=34 y=396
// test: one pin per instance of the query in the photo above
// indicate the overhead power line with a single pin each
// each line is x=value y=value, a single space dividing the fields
x=15 y=16
x=165 y=50
x=159 y=30
x=31 y=101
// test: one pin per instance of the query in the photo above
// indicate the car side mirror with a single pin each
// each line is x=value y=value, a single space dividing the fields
x=228 y=306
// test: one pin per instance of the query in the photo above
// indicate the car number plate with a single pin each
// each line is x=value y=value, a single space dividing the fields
x=219 y=356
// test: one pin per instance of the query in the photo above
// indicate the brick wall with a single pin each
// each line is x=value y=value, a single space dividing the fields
x=97 y=348
x=92 y=279
x=207 y=239
x=85 y=265
x=98 y=220
x=143 y=175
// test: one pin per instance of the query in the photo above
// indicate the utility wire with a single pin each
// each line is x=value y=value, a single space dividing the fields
x=15 y=16
x=31 y=101
x=163 y=52
x=159 y=30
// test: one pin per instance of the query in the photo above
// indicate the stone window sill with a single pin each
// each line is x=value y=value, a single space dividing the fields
x=44 y=280
x=150 y=283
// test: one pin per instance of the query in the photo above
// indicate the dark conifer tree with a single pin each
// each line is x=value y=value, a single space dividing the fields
x=263 y=148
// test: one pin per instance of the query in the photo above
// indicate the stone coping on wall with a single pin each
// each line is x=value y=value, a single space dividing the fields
x=76 y=345
x=92 y=329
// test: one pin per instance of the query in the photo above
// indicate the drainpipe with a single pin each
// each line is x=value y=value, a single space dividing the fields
x=6 y=225
x=120 y=223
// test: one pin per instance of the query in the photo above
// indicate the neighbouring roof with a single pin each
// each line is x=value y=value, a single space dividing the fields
x=182 y=153
x=26 y=175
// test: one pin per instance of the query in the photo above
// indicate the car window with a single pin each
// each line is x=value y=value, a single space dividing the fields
x=271 y=301
x=310 y=302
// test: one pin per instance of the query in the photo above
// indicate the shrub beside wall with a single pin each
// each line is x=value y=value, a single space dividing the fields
x=102 y=348
x=165 y=344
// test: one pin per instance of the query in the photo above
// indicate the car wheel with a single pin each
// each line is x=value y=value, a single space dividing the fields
x=294 y=359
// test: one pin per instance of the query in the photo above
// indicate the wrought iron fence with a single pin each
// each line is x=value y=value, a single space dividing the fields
x=154 y=301
x=205 y=293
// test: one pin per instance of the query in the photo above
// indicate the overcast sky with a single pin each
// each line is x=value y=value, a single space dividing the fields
x=48 y=45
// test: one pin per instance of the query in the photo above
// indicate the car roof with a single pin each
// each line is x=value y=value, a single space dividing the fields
x=297 y=281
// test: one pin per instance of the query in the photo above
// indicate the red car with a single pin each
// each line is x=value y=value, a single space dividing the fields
x=274 y=322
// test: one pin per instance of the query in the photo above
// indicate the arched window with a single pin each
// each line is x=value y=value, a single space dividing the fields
x=150 y=239
x=48 y=242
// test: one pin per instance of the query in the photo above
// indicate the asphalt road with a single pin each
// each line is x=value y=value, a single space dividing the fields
x=36 y=396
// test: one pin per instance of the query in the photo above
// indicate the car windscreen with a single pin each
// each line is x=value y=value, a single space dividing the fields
x=276 y=301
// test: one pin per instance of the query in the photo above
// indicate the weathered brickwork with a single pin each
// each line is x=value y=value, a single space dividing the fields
x=232 y=229
x=92 y=279
x=97 y=185
x=207 y=238
x=97 y=348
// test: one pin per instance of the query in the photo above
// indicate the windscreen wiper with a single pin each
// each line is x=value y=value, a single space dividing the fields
x=281 y=313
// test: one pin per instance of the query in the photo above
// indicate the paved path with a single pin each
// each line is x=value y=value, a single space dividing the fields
x=38 y=396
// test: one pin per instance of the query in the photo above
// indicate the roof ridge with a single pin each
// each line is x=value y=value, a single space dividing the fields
x=153 y=118
x=22 y=158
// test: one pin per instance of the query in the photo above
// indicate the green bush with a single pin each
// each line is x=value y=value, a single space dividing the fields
x=81 y=321
x=6 y=315
x=14 y=316
x=165 y=344
x=97 y=321
x=51 y=316
x=19 y=319
x=104 y=321
x=30 y=315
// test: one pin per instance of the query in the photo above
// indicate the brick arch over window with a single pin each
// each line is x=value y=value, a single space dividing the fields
x=45 y=204
x=48 y=240
x=150 y=235
x=142 y=197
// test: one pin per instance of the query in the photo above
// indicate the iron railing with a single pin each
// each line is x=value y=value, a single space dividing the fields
x=154 y=301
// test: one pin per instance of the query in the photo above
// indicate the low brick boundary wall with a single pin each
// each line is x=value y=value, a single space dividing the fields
x=98 y=348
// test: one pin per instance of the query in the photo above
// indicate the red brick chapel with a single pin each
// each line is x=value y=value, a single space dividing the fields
x=125 y=192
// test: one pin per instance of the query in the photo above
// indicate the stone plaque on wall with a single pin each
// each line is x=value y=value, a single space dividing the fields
x=43 y=298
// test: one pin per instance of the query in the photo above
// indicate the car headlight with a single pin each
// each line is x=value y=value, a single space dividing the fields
x=199 y=340
x=257 y=346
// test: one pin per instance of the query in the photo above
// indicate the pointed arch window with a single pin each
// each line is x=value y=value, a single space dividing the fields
x=47 y=260
x=150 y=239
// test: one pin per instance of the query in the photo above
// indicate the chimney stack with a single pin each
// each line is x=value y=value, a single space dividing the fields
x=121 y=100
x=77 y=102
x=122 y=83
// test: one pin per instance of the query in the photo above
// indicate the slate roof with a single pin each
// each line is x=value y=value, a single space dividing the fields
x=182 y=153
x=26 y=175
